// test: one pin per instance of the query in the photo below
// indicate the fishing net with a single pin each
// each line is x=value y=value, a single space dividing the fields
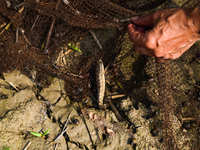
x=50 y=37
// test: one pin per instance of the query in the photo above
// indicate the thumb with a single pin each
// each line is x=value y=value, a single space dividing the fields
x=146 y=20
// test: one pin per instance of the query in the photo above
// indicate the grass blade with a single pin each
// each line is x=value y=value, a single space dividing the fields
x=36 y=134
x=46 y=132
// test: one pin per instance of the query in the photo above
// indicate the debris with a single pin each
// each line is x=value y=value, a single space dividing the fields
x=116 y=96
x=109 y=132
x=34 y=22
x=6 y=28
x=125 y=20
x=117 y=114
x=27 y=145
x=48 y=37
x=106 y=127
x=96 y=40
x=17 y=35
x=64 y=129
x=10 y=83
x=50 y=31
x=75 y=121
x=21 y=30
x=86 y=125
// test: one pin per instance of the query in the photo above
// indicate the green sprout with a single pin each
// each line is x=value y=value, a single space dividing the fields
x=72 y=46
x=185 y=108
x=39 y=134
x=6 y=148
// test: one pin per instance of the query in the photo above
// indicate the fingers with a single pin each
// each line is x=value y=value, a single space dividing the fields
x=143 y=50
x=135 y=34
x=147 y=20
x=136 y=28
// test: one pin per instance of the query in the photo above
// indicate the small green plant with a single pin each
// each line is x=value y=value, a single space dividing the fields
x=72 y=46
x=6 y=148
x=39 y=134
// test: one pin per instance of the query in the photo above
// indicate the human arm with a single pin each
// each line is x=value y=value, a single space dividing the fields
x=173 y=32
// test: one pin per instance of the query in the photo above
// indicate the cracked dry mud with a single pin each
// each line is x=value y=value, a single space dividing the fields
x=23 y=113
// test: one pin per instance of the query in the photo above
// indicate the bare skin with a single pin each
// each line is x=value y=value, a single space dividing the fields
x=173 y=31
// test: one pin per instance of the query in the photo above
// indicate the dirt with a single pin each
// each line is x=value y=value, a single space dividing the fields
x=24 y=113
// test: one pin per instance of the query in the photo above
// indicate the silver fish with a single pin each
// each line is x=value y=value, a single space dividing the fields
x=100 y=81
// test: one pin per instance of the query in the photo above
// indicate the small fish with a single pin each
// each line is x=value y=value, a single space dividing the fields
x=100 y=81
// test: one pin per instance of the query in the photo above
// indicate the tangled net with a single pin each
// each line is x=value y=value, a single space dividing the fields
x=38 y=34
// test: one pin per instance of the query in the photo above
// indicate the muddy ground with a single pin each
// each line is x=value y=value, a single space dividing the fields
x=24 y=111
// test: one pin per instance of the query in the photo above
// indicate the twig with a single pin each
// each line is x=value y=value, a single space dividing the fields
x=96 y=40
x=91 y=95
x=55 y=146
x=86 y=127
x=63 y=130
x=27 y=145
x=21 y=4
x=10 y=83
x=74 y=75
x=98 y=140
x=34 y=22
x=58 y=137
x=17 y=35
x=21 y=30
x=2 y=25
x=6 y=28
x=48 y=37
x=125 y=20
x=60 y=134
x=116 y=96
x=114 y=55
x=114 y=109
x=50 y=31
x=27 y=40
x=188 y=119
x=21 y=9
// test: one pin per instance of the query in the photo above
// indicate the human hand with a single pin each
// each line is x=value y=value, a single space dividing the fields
x=173 y=32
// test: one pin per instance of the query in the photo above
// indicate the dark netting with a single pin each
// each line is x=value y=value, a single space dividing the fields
x=38 y=37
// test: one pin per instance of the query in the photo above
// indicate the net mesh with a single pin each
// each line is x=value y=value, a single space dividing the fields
x=38 y=38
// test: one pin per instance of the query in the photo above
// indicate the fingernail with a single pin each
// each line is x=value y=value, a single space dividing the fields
x=135 y=18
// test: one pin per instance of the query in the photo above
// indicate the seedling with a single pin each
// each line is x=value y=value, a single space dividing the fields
x=72 y=46
x=39 y=134
x=6 y=148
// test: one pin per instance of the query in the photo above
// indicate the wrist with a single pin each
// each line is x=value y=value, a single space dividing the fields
x=195 y=17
